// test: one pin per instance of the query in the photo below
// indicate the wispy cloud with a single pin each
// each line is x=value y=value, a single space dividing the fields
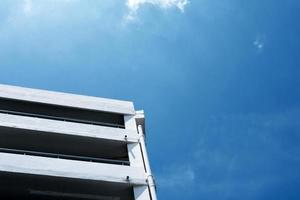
x=134 y=5
x=259 y=43
x=224 y=150
x=177 y=176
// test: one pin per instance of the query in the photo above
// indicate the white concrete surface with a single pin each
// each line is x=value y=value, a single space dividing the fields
x=136 y=160
x=69 y=128
x=65 y=99
x=71 y=169
x=136 y=172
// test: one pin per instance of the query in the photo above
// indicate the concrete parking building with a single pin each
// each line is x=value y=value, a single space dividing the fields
x=63 y=146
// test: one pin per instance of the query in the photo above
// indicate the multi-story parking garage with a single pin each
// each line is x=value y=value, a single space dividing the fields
x=63 y=146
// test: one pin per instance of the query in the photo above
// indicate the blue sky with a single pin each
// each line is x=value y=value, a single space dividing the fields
x=218 y=80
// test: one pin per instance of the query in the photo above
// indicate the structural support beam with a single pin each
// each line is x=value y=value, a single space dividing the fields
x=136 y=159
x=150 y=179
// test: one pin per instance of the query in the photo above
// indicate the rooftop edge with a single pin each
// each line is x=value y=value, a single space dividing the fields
x=67 y=99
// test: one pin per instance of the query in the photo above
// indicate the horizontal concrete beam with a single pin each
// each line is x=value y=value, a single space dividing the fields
x=65 y=99
x=68 y=128
x=71 y=169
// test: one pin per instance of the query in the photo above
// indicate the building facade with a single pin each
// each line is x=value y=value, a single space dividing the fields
x=63 y=146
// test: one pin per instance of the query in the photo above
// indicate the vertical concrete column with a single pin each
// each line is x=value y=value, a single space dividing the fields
x=136 y=159
x=150 y=179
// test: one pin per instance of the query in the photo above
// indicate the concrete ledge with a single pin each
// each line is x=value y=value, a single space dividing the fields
x=71 y=169
x=68 y=128
x=65 y=99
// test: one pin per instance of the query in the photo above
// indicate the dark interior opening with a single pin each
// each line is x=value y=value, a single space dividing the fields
x=20 y=141
x=56 y=112
x=35 y=187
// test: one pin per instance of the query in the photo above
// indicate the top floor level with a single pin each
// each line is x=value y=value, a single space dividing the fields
x=64 y=106
x=66 y=99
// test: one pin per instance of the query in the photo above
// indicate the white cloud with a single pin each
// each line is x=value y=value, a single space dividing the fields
x=134 y=5
x=259 y=42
